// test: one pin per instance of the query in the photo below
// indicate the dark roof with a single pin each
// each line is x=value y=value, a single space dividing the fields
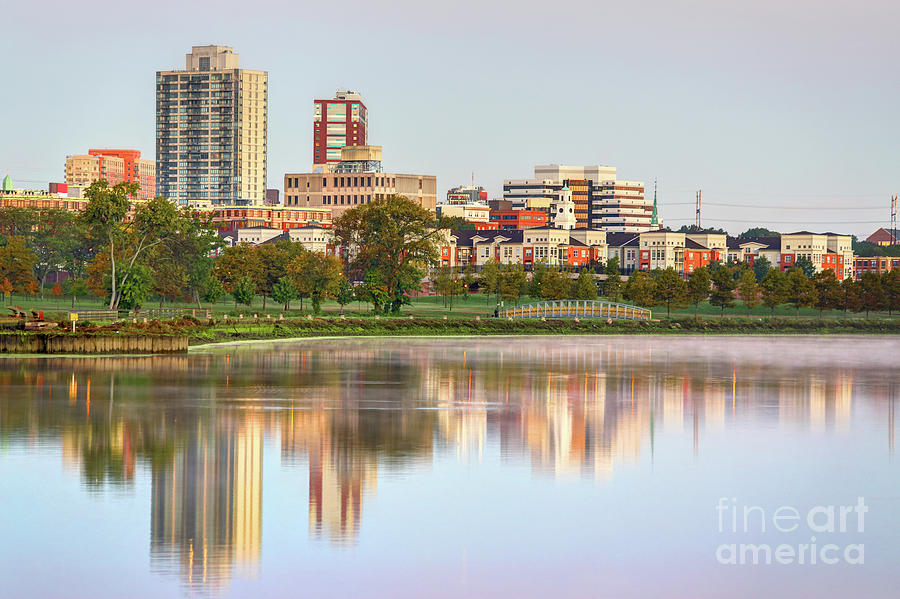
x=466 y=237
x=575 y=242
x=622 y=239
x=282 y=237
x=693 y=245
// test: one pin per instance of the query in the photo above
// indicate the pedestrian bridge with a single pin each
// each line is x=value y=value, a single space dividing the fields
x=577 y=309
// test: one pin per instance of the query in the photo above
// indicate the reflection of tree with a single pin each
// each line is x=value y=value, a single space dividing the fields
x=351 y=410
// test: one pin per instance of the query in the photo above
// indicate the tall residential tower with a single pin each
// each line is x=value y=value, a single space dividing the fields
x=211 y=130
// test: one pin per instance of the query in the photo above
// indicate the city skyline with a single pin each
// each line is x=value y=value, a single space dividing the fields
x=771 y=111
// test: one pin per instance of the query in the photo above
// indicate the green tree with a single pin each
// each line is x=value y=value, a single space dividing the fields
x=237 y=262
x=243 y=291
x=759 y=232
x=513 y=282
x=828 y=291
x=585 y=286
x=669 y=289
x=374 y=291
x=802 y=292
x=443 y=284
x=890 y=282
x=345 y=293
x=135 y=288
x=395 y=236
x=774 y=288
x=850 y=296
x=490 y=279
x=872 y=295
x=748 y=289
x=640 y=289
x=698 y=286
x=468 y=279
x=722 y=295
x=16 y=263
x=213 y=291
x=284 y=292
x=612 y=286
x=76 y=288
x=537 y=279
x=555 y=284
x=761 y=266
x=317 y=274
x=806 y=265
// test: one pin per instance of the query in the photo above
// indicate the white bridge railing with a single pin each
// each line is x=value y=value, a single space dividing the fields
x=577 y=309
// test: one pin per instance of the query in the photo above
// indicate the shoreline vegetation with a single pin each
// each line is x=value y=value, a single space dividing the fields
x=203 y=332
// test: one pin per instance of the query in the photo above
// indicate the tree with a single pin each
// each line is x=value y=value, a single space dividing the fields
x=183 y=265
x=722 y=294
x=759 y=232
x=284 y=291
x=135 y=288
x=345 y=293
x=57 y=238
x=16 y=263
x=316 y=274
x=612 y=286
x=57 y=290
x=761 y=266
x=395 y=236
x=468 y=279
x=774 y=289
x=669 y=289
x=850 y=296
x=890 y=282
x=828 y=291
x=640 y=289
x=555 y=284
x=584 y=287
x=374 y=291
x=6 y=288
x=106 y=210
x=872 y=295
x=805 y=265
x=490 y=278
x=76 y=288
x=801 y=291
x=698 y=286
x=243 y=291
x=443 y=284
x=748 y=289
x=537 y=279
x=513 y=282
x=213 y=291
x=237 y=262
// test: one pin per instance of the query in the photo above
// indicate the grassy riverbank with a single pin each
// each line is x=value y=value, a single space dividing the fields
x=198 y=332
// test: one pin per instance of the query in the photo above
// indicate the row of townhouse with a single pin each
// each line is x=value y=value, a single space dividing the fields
x=876 y=264
x=649 y=250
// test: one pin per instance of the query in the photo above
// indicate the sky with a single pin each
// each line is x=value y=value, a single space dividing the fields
x=783 y=113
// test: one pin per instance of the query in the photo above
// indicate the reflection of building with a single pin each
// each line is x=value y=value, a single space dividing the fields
x=206 y=510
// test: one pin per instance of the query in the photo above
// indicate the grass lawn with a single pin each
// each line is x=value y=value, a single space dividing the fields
x=424 y=307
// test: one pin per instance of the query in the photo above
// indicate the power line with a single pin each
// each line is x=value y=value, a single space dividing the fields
x=786 y=222
x=771 y=207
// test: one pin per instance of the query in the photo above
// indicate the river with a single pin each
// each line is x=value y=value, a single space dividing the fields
x=490 y=467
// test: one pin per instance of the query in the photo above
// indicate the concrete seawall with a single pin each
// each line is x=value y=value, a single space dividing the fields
x=73 y=344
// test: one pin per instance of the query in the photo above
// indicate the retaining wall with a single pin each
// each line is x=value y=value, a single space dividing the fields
x=74 y=344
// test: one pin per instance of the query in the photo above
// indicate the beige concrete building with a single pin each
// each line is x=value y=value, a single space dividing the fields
x=211 y=130
x=342 y=191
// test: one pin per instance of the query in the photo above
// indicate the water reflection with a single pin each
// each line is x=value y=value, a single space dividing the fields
x=350 y=411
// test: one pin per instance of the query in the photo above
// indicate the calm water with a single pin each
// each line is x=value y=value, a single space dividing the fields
x=526 y=467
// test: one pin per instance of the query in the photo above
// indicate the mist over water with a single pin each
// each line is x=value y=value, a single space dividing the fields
x=498 y=467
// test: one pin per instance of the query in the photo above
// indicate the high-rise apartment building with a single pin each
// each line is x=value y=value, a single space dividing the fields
x=115 y=166
x=341 y=121
x=211 y=130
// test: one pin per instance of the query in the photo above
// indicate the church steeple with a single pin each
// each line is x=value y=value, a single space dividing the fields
x=654 y=220
x=7 y=183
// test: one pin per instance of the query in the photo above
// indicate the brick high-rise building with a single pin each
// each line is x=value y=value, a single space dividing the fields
x=342 y=121
x=211 y=130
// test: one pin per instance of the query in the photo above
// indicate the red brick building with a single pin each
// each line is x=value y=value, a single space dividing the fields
x=518 y=220
x=342 y=121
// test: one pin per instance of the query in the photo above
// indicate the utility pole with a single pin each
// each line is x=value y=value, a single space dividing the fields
x=894 y=219
x=699 y=194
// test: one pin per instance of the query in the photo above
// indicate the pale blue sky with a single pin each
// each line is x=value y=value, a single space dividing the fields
x=761 y=104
